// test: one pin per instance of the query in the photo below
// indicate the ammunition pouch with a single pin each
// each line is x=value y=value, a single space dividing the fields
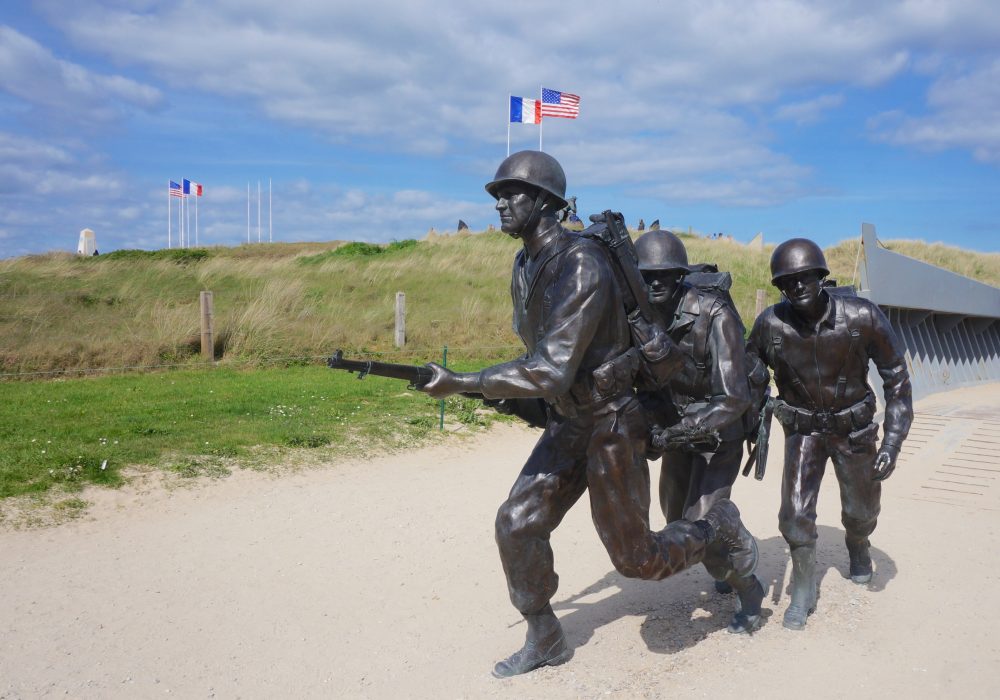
x=607 y=388
x=863 y=439
x=852 y=419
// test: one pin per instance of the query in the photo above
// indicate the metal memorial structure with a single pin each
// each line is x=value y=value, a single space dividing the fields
x=948 y=324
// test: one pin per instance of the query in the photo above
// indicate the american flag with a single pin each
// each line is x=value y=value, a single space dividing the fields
x=560 y=104
x=175 y=190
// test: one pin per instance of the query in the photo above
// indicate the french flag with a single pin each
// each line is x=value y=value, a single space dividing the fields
x=192 y=188
x=524 y=111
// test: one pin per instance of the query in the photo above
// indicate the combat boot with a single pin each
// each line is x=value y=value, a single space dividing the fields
x=727 y=528
x=749 y=596
x=545 y=646
x=803 y=587
x=861 y=561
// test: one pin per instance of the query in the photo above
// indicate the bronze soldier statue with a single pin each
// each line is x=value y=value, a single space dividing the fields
x=570 y=314
x=818 y=345
x=708 y=397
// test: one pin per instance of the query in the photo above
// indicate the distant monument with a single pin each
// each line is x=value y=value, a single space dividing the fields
x=757 y=242
x=462 y=226
x=87 y=244
x=655 y=226
x=642 y=225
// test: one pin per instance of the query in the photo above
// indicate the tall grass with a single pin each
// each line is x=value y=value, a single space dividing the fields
x=129 y=308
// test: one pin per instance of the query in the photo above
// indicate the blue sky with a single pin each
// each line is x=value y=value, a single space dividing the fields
x=379 y=120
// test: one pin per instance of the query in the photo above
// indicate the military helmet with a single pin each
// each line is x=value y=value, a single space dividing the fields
x=661 y=250
x=797 y=255
x=533 y=168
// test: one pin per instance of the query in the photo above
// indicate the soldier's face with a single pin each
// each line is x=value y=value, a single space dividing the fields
x=802 y=290
x=662 y=284
x=514 y=205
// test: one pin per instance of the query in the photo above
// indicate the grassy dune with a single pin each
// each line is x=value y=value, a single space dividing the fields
x=283 y=303
x=279 y=301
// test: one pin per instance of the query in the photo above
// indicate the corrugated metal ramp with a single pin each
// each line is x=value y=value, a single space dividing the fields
x=954 y=447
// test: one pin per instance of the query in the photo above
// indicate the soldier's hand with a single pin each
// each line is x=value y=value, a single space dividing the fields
x=443 y=383
x=662 y=437
x=885 y=462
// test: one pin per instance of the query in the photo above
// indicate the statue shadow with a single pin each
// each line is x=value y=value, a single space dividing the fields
x=685 y=609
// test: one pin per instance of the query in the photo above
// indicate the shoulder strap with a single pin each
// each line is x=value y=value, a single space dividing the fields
x=845 y=318
x=775 y=346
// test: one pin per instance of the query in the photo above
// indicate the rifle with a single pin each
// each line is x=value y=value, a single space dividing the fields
x=415 y=375
x=610 y=230
x=675 y=438
x=758 y=455
x=662 y=358
x=532 y=411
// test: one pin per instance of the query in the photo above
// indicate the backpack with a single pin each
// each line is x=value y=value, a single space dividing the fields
x=706 y=277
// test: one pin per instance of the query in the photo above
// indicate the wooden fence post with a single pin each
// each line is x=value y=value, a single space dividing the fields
x=400 y=319
x=207 y=327
x=760 y=303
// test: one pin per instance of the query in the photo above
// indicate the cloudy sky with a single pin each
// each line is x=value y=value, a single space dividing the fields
x=378 y=120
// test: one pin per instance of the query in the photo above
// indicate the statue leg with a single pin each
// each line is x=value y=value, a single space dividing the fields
x=550 y=483
x=860 y=503
x=805 y=462
x=675 y=482
x=618 y=482
x=712 y=478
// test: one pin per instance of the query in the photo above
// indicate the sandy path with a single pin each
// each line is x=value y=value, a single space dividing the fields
x=381 y=579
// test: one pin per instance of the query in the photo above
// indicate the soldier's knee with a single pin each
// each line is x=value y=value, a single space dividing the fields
x=798 y=531
x=512 y=522
x=859 y=525
x=631 y=567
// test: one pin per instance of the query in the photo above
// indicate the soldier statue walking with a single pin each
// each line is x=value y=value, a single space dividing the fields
x=818 y=345
x=708 y=396
x=580 y=358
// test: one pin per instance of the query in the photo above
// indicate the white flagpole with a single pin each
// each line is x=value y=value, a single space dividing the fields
x=509 y=97
x=270 y=221
x=168 y=214
x=196 y=220
x=181 y=217
x=248 y=211
x=541 y=119
x=258 y=211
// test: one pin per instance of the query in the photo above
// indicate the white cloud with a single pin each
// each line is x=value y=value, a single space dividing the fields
x=417 y=75
x=808 y=111
x=963 y=112
x=32 y=73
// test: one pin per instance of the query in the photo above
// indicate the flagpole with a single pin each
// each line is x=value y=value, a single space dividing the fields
x=270 y=220
x=168 y=215
x=541 y=119
x=258 y=211
x=509 y=97
x=248 y=211
x=196 y=220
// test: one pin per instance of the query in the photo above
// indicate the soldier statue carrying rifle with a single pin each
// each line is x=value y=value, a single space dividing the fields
x=581 y=358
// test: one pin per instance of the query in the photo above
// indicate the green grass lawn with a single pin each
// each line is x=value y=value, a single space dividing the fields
x=67 y=433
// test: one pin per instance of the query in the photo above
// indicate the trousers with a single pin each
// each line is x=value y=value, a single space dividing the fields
x=691 y=482
x=603 y=455
x=806 y=456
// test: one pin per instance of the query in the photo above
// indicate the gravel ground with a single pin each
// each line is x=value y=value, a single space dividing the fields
x=381 y=579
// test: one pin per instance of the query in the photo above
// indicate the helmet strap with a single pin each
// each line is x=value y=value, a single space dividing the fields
x=537 y=210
